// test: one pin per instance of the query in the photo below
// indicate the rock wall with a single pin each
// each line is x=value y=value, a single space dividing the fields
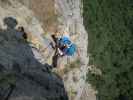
x=45 y=12
x=72 y=21
x=22 y=76
x=30 y=61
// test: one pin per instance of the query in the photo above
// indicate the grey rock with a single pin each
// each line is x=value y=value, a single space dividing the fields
x=33 y=80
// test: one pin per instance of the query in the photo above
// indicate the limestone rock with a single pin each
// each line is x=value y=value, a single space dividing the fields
x=22 y=76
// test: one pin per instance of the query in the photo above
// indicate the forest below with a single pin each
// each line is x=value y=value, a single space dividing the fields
x=109 y=24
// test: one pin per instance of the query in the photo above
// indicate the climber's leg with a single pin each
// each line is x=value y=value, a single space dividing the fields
x=52 y=45
x=55 y=39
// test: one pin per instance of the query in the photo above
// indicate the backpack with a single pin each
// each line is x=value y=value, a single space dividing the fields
x=71 y=48
x=64 y=41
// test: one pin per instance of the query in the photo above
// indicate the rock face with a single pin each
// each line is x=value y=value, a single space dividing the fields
x=29 y=62
x=45 y=12
x=72 y=21
x=32 y=80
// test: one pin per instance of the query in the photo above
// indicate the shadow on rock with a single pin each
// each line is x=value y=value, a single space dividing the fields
x=23 y=76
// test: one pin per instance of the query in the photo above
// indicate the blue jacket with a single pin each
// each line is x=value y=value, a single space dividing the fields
x=71 y=47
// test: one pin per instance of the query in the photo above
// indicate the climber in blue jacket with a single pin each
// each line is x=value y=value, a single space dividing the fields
x=64 y=45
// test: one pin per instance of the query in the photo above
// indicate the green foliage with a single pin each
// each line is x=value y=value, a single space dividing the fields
x=110 y=27
x=73 y=65
x=7 y=79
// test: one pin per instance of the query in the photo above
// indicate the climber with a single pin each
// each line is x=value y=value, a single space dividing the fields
x=22 y=32
x=64 y=45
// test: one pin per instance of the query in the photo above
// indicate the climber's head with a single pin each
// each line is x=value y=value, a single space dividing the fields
x=21 y=29
x=10 y=22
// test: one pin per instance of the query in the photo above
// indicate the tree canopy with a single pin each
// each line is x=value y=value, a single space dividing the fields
x=109 y=24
